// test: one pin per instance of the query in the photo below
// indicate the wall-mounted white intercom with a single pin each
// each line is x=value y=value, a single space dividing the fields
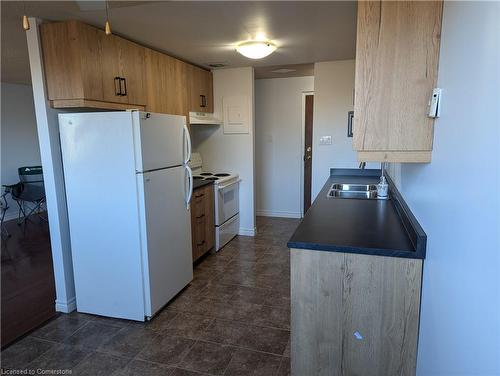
x=435 y=103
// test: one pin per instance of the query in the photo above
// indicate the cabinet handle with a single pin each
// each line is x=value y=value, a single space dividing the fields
x=200 y=195
x=118 y=86
x=203 y=102
x=200 y=216
x=124 y=92
x=200 y=244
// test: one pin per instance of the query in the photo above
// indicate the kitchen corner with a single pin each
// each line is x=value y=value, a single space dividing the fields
x=356 y=272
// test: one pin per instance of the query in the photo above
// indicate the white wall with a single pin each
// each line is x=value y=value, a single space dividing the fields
x=278 y=144
x=231 y=152
x=18 y=134
x=333 y=99
x=456 y=198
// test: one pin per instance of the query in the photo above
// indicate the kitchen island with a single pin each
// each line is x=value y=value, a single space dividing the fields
x=356 y=268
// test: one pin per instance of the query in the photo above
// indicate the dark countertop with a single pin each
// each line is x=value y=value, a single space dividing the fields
x=201 y=183
x=373 y=227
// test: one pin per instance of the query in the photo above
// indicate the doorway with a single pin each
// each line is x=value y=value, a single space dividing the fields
x=307 y=150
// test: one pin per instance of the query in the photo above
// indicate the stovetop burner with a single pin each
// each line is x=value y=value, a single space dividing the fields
x=212 y=178
x=206 y=174
x=198 y=178
x=222 y=175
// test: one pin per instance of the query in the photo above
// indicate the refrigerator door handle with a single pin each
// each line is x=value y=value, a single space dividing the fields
x=189 y=193
x=188 y=144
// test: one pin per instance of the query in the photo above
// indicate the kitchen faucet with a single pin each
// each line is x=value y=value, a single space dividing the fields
x=383 y=168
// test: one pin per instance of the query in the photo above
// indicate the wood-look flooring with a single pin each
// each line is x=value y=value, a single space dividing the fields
x=232 y=319
x=28 y=290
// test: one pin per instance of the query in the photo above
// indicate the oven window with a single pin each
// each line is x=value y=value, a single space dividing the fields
x=228 y=196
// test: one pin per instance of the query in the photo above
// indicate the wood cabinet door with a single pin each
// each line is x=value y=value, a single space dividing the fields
x=194 y=91
x=156 y=101
x=72 y=60
x=198 y=223
x=206 y=91
x=210 y=217
x=202 y=221
x=175 y=90
x=354 y=314
x=199 y=89
x=132 y=64
x=91 y=61
x=111 y=68
x=123 y=74
x=166 y=84
x=60 y=46
x=397 y=52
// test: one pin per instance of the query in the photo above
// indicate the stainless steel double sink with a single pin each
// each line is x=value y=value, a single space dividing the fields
x=360 y=191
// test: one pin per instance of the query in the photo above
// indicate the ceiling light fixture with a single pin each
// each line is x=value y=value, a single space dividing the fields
x=26 y=22
x=256 y=49
x=107 y=26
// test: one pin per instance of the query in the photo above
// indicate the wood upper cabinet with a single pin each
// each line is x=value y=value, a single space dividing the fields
x=83 y=65
x=72 y=60
x=123 y=70
x=166 y=84
x=397 y=53
x=200 y=89
x=202 y=221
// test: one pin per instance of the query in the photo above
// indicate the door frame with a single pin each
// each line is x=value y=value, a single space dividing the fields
x=302 y=145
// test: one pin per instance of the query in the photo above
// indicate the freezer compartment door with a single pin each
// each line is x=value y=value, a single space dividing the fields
x=167 y=255
x=160 y=140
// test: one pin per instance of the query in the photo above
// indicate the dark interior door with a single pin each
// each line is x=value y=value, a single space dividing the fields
x=308 y=132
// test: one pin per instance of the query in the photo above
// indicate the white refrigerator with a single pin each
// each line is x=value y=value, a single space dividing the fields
x=128 y=189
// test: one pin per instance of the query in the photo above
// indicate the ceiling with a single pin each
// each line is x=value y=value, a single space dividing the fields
x=201 y=32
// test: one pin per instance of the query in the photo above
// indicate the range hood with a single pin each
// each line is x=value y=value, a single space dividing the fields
x=202 y=118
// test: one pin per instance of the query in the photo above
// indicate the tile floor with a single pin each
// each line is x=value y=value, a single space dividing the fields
x=233 y=319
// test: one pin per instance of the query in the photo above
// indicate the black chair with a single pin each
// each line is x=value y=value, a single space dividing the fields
x=29 y=193
x=4 y=206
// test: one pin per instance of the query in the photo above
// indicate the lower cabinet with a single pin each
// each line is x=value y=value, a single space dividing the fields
x=202 y=221
x=354 y=314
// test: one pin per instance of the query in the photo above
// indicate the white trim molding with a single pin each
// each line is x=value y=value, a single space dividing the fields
x=279 y=214
x=50 y=153
x=301 y=152
x=246 y=231
x=66 y=307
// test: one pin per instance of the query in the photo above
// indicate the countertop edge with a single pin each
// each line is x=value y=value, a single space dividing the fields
x=201 y=184
x=355 y=250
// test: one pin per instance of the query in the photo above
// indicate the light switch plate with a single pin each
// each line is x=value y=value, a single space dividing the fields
x=325 y=140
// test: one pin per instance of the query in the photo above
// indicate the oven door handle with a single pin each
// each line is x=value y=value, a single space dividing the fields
x=228 y=184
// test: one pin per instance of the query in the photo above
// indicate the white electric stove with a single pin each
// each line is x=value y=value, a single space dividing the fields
x=227 y=200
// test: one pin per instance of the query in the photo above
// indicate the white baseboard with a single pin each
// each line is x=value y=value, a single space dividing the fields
x=280 y=214
x=246 y=231
x=66 y=307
